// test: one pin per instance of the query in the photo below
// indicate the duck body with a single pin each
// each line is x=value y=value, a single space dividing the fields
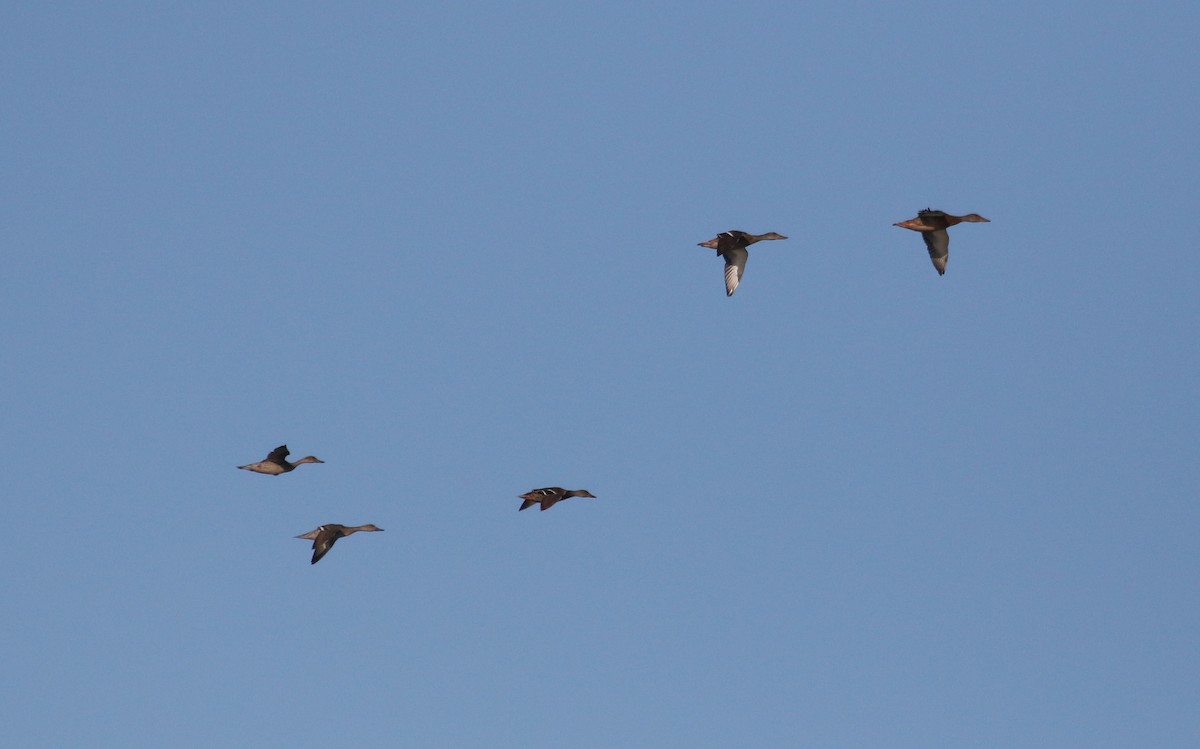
x=732 y=245
x=325 y=536
x=932 y=225
x=549 y=496
x=276 y=462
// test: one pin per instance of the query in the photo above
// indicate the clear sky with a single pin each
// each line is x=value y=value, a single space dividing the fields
x=450 y=249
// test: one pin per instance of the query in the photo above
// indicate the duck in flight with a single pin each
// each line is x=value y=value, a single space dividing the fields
x=551 y=494
x=932 y=225
x=276 y=462
x=732 y=246
x=325 y=536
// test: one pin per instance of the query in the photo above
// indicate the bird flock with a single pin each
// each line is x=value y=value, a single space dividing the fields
x=932 y=225
x=325 y=536
x=730 y=245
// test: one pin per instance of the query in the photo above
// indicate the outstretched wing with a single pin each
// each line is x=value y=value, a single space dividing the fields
x=938 y=244
x=279 y=455
x=322 y=544
x=735 y=266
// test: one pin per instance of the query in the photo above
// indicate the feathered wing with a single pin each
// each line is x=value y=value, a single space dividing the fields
x=322 y=540
x=735 y=266
x=938 y=244
x=546 y=497
x=279 y=455
x=322 y=544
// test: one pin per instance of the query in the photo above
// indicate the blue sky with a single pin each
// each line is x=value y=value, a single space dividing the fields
x=451 y=250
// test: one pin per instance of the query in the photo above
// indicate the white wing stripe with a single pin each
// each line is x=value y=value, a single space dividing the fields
x=731 y=279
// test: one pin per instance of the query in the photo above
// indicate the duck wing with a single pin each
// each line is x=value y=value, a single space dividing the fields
x=278 y=455
x=323 y=543
x=735 y=266
x=938 y=244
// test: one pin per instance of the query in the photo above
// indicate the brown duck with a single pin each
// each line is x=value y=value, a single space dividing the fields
x=932 y=225
x=551 y=494
x=732 y=246
x=326 y=536
x=276 y=463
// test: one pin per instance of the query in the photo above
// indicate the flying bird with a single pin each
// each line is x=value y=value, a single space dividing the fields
x=326 y=536
x=276 y=463
x=932 y=225
x=732 y=246
x=551 y=494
